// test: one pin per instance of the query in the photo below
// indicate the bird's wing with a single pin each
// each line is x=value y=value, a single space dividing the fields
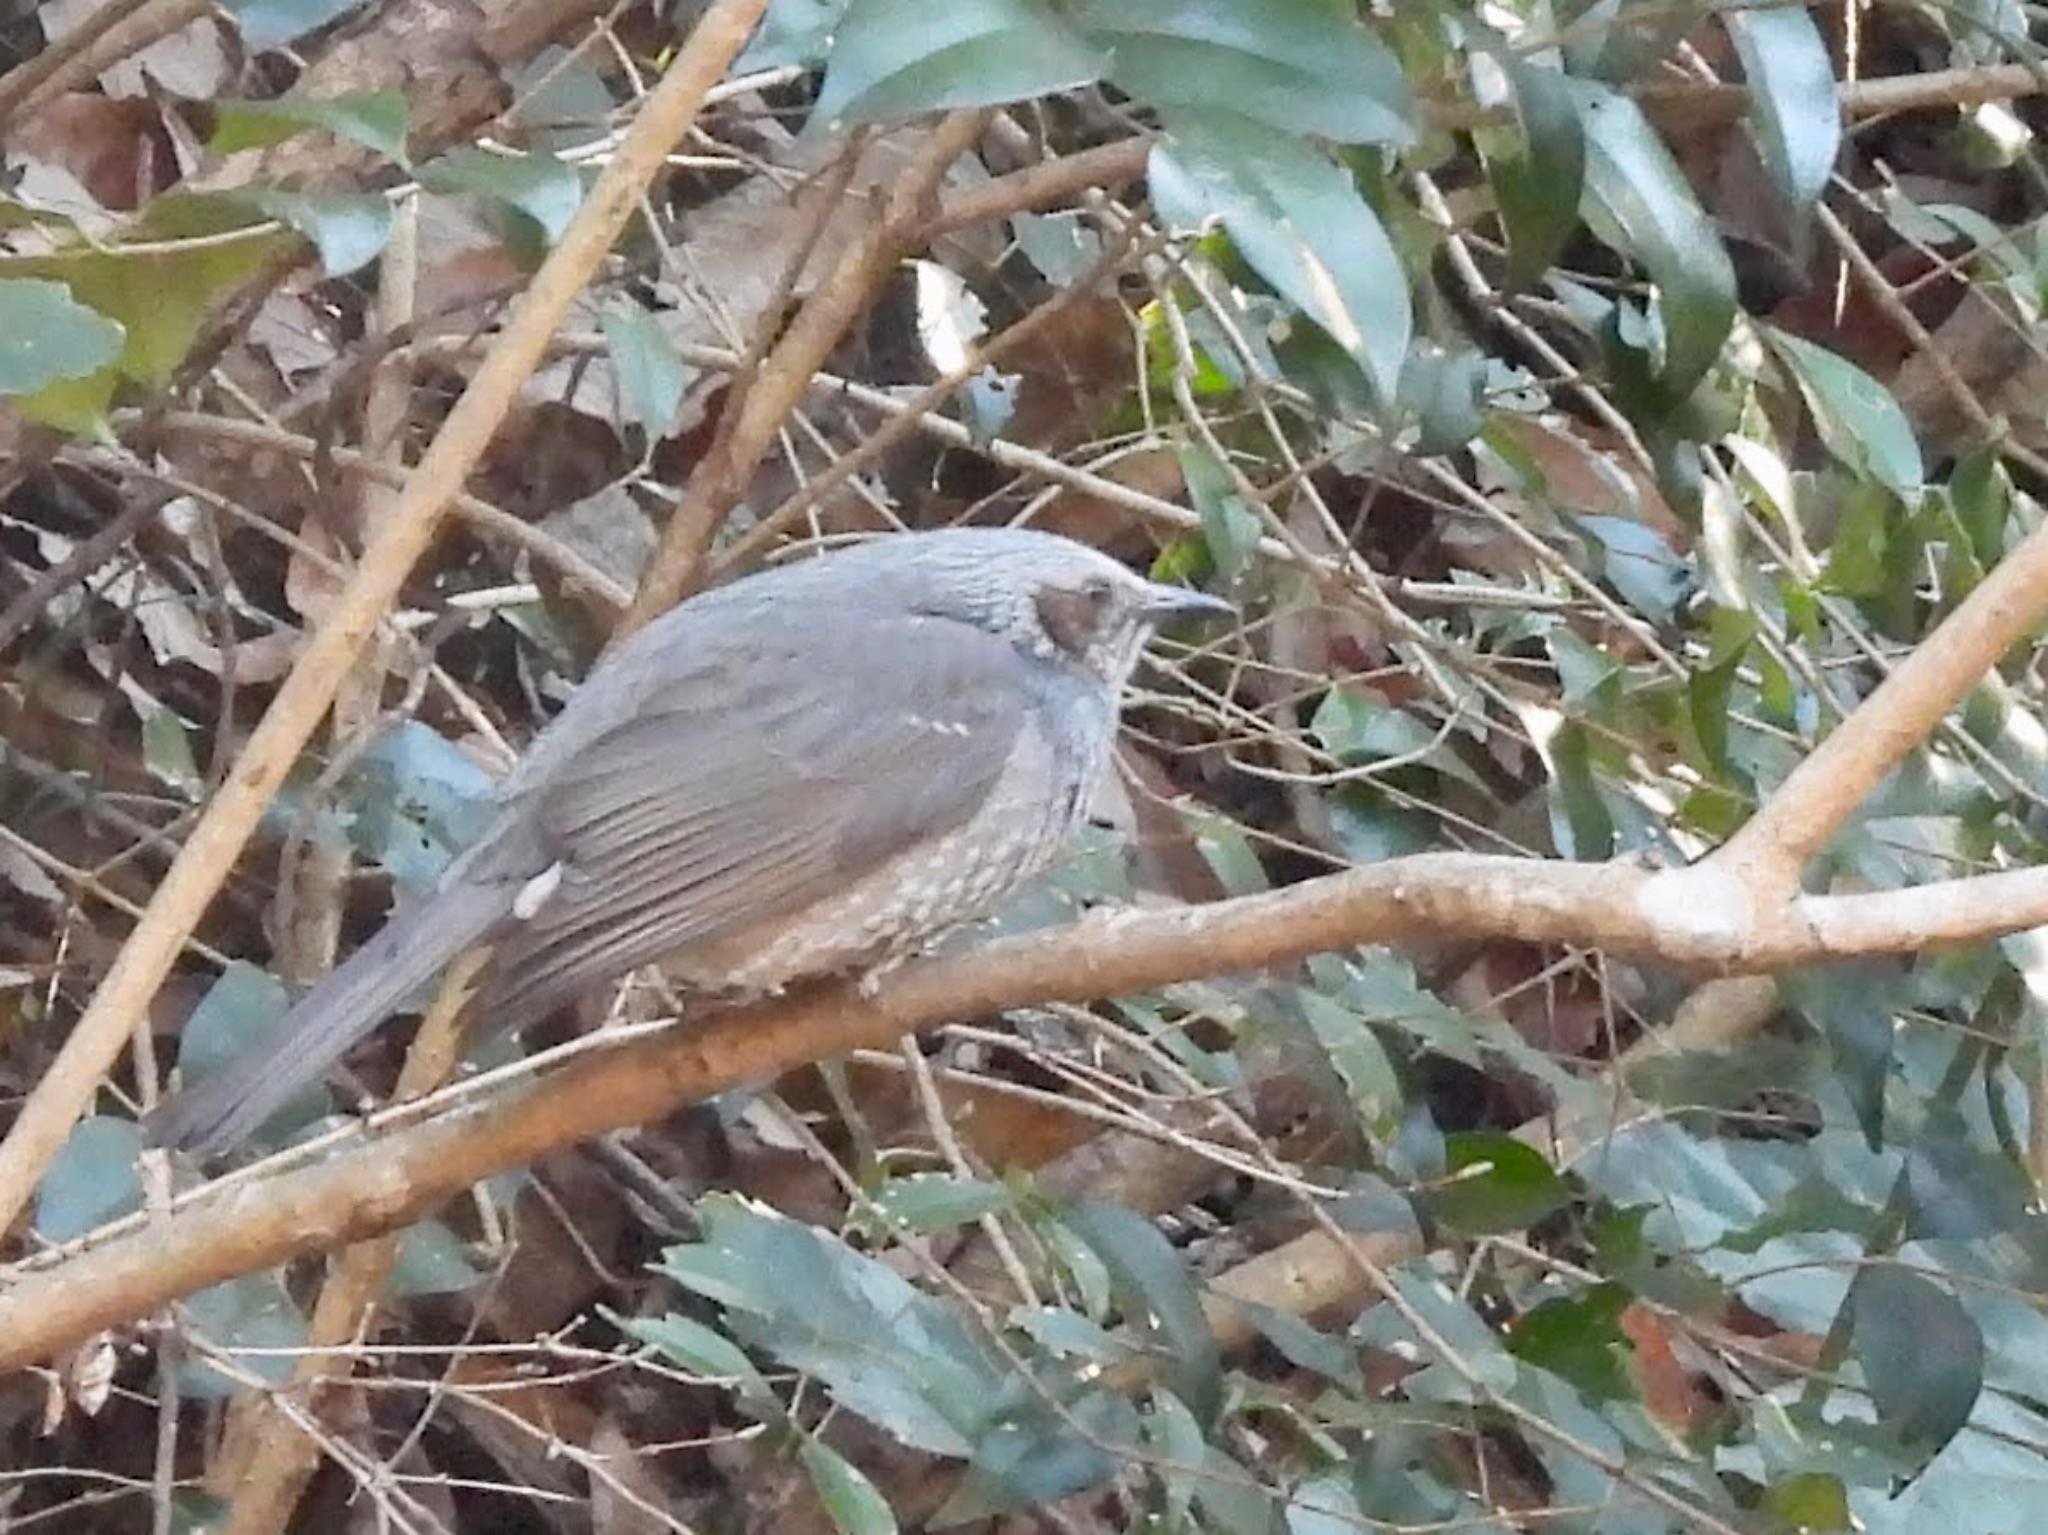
x=758 y=779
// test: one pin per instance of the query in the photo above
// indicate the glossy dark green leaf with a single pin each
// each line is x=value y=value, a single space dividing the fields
x=167 y=750
x=415 y=800
x=1157 y=1295
x=1579 y=1338
x=1855 y=415
x=897 y=58
x=1792 y=104
x=46 y=335
x=1538 y=189
x=1323 y=1505
x=1638 y=199
x=1300 y=221
x=1493 y=1183
x=377 y=120
x=91 y=1180
x=1579 y=820
x=1921 y=1354
x=1355 y=728
x=1300 y=66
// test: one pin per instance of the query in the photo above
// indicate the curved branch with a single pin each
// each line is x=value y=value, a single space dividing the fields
x=1682 y=916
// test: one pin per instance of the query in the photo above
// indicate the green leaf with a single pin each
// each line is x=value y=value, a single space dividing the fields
x=190 y=248
x=414 y=800
x=1792 y=105
x=1354 y=728
x=1921 y=1354
x=1019 y=1465
x=1300 y=66
x=1302 y=224
x=252 y=1312
x=651 y=373
x=349 y=229
x=1855 y=1006
x=1538 y=189
x=1359 y=1058
x=1579 y=820
x=1579 y=1338
x=167 y=749
x=1650 y=576
x=897 y=58
x=238 y=1012
x=1855 y=415
x=375 y=119
x=46 y=335
x=1324 y=1505
x=1231 y=528
x=938 y=1201
x=857 y=1507
x=272 y=23
x=911 y=1363
x=792 y=32
x=1157 y=1295
x=699 y=1348
x=91 y=1180
x=1810 y=1501
x=539 y=186
x=1496 y=1183
x=432 y=1260
x=1639 y=201
x=241 y=1012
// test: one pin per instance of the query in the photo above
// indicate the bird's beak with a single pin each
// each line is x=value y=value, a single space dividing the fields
x=1165 y=602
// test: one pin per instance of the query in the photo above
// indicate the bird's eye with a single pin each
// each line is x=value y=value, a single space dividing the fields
x=1073 y=616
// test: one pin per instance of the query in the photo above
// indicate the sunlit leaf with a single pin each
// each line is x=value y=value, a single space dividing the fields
x=1792 y=102
x=1637 y=192
x=1300 y=221
x=1855 y=415
x=897 y=58
x=1300 y=66
x=46 y=335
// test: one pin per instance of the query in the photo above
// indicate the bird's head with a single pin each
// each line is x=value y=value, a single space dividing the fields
x=1053 y=598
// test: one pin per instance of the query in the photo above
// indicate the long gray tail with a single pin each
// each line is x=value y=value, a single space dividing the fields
x=220 y=1111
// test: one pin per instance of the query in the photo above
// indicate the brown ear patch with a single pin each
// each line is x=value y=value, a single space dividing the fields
x=1073 y=616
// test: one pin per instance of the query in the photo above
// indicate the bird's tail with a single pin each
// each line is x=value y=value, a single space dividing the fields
x=220 y=1111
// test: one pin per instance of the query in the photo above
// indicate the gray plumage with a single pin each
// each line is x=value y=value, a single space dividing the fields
x=806 y=772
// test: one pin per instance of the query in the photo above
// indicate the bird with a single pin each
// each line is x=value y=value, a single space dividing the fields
x=811 y=771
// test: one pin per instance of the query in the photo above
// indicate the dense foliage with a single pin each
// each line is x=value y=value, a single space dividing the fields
x=1587 y=406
